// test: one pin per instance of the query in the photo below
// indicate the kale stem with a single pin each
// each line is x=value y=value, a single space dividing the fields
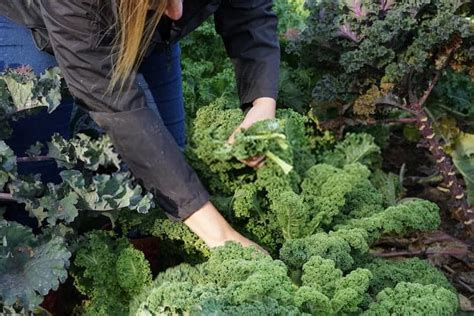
x=266 y=136
x=283 y=165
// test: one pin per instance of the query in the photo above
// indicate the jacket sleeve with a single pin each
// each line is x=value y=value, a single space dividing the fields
x=82 y=46
x=249 y=31
x=23 y=12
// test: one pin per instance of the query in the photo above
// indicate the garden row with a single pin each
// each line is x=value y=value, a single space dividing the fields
x=355 y=76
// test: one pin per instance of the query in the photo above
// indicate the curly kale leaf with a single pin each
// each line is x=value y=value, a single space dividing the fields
x=245 y=200
x=351 y=291
x=355 y=148
x=266 y=306
x=296 y=252
x=355 y=235
x=283 y=141
x=167 y=229
x=211 y=128
x=133 y=271
x=57 y=204
x=414 y=299
x=327 y=189
x=110 y=272
x=79 y=191
x=344 y=293
x=402 y=219
x=326 y=195
x=30 y=266
x=389 y=185
x=48 y=202
x=231 y=279
x=388 y=273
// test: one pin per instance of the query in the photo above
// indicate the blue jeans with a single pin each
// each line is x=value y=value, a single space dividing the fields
x=163 y=86
x=18 y=48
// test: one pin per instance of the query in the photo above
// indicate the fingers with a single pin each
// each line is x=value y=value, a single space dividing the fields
x=260 y=165
x=254 y=162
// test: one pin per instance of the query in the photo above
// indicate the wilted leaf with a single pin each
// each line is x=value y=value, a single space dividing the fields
x=463 y=158
x=465 y=304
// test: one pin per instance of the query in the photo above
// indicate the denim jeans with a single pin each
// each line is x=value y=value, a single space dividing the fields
x=162 y=82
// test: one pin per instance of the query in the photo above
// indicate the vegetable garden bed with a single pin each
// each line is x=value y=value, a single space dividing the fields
x=364 y=203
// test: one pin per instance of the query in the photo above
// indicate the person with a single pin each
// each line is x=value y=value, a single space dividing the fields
x=100 y=46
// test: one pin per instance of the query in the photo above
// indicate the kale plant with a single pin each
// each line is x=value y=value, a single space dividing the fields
x=110 y=272
x=383 y=55
x=21 y=90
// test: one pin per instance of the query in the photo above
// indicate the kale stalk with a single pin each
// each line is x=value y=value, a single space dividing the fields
x=463 y=211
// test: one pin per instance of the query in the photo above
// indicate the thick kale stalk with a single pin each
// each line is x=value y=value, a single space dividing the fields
x=463 y=211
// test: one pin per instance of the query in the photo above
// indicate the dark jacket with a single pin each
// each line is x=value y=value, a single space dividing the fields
x=81 y=33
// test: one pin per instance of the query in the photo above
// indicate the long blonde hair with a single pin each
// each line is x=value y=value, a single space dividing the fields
x=135 y=32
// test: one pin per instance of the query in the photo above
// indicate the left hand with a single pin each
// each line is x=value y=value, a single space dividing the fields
x=262 y=109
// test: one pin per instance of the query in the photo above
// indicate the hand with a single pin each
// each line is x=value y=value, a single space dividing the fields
x=262 y=109
x=214 y=230
x=174 y=9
